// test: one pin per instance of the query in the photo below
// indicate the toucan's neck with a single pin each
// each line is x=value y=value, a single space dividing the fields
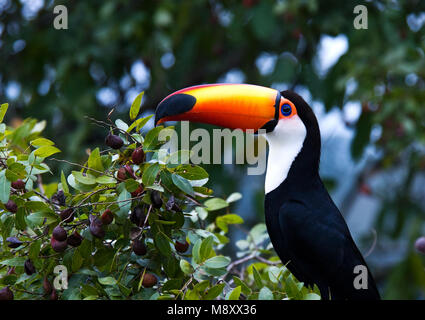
x=294 y=155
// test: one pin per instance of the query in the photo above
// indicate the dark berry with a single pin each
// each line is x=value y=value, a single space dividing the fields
x=139 y=247
x=11 y=206
x=67 y=215
x=74 y=240
x=6 y=294
x=149 y=280
x=138 y=156
x=29 y=267
x=13 y=242
x=59 y=233
x=18 y=184
x=181 y=246
x=113 y=141
x=58 y=246
x=156 y=199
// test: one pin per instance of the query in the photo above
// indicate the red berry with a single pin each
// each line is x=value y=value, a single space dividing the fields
x=149 y=280
x=58 y=246
x=181 y=246
x=18 y=184
x=138 y=191
x=107 y=217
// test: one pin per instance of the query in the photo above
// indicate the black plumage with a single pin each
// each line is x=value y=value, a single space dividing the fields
x=306 y=228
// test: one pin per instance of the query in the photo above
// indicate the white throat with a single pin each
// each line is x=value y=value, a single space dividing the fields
x=285 y=142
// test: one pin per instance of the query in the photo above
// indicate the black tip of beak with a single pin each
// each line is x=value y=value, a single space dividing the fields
x=174 y=105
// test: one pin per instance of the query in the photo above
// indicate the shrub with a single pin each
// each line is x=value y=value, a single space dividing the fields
x=124 y=224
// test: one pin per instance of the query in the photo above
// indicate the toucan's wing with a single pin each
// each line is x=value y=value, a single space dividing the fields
x=323 y=251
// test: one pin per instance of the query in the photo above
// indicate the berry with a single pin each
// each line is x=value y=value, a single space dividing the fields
x=420 y=245
x=6 y=294
x=121 y=174
x=67 y=215
x=149 y=280
x=107 y=217
x=113 y=141
x=156 y=199
x=96 y=228
x=74 y=240
x=29 y=267
x=47 y=286
x=58 y=246
x=13 y=242
x=54 y=295
x=139 y=247
x=59 y=233
x=181 y=246
x=129 y=171
x=137 y=216
x=138 y=191
x=11 y=206
x=138 y=156
x=18 y=184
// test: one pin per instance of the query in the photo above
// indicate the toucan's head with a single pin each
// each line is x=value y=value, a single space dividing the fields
x=288 y=120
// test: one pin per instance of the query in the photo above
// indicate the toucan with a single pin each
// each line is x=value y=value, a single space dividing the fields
x=306 y=229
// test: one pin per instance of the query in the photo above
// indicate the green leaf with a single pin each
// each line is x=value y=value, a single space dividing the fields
x=42 y=142
x=95 y=162
x=64 y=183
x=217 y=262
x=14 y=262
x=311 y=296
x=131 y=185
x=34 y=250
x=139 y=123
x=20 y=223
x=196 y=251
x=135 y=106
x=265 y=294
x=149 y=174
x=234 y=294
x=181 y=183
x=108 y=281
x=257 y=277
x=85 y=178
x=186 y=267
x=245 y=289
x=46 y=151
x=206 y=249
x=214 y=291
x=106 y=180
x=3 y=110
x=223 y=221
x=162 y=244
x=215 y=204
x=191 y=172
x=77 y=261
x=4 y=187
x=123 y=204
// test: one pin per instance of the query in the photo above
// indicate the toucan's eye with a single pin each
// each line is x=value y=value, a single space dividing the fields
x=286 y=110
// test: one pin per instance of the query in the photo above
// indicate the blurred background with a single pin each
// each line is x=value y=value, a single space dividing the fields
x=367 y=88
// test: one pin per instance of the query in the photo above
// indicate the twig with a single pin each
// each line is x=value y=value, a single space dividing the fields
x=375 y=238
x=81 y=166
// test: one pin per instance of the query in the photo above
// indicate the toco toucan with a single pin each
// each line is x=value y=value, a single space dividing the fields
x=305 y=227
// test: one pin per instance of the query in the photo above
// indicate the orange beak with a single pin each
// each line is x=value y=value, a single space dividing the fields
x=234 y=106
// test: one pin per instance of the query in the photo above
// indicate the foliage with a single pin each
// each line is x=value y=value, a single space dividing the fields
x=149 y=214
x=60 y=73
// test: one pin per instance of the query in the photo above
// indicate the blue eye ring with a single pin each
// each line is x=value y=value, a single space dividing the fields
x=286 y=109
